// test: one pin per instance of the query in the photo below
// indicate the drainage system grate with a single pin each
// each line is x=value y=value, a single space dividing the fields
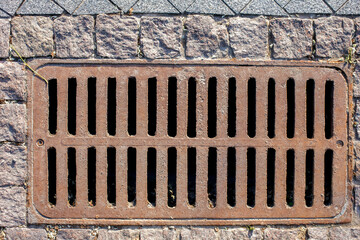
x=181 y=143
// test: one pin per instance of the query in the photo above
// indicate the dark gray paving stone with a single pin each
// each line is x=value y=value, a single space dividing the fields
x=124 y=5
x=264 y=7
x=96 y=7
x=237 y=5
x=282 y=3
x=40 y=7
x=210 y=7
x=10 y=6
x=182 y=5
x=352 y=7
x=307 y=6
x=69 y=5
x=335 y=4
x=4 y=14
x=154 y=6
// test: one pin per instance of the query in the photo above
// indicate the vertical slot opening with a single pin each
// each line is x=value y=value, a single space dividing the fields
x=309 y=178
x=151 y=176
x=271 y=108
x=212 y=107
x=251 y=176
x=111 y=175
x=328 y=172
x=310 y=108
x=111 y=107
x=251 y=124
x=53 y=105
x=231 y=176
x=131 y=175
x=232 y=108
x=191 y=131
x=72 y=85
x=132 y=106
x=271 y=155
x=52 y=175
x=172 y=107
x=290 y=93
x=329 y=108
x=152 y=91
x=191 y=156
x=71 y=176
x=172 y=162
x=92 y=176
x=92 y=106
x=212 y=173
x=290 y=177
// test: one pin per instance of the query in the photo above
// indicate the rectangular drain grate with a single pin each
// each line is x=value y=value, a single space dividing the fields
x=185 y=143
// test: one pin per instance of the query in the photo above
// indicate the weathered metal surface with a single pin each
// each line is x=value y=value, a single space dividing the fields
x=103 y=213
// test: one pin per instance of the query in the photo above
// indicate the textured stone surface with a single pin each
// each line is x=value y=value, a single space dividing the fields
x=12 y=206
x=318 y=233
x=79 y=234
x=216 y=7
x=357 y=35
x=282 y=3
x=352 y=7
x=333 y=36
x=357 y=200
x=198 y=233
x=12 y=81
x=74 y=36
x=337 y=233
x=356 y=76
x=96 y=7
x=130 y=234
x=13 y=122
x=236 y=5
x=4 y=37
x=124 y=5
x=26 y=233
x=292 y=38
x=182 y=5
x=4 y=14
x=206 y=38
x=10 y=6
x=158 y=234
x=39 y=7
x=335 y=4
x=154 y=6
x=12 y=164
x=292 y=233
x=357 y=120
x=117 y=36
x=240 y=234
x=69 y=5
x=161 y=37
x=33 y=36
x=249 y=37
x=307 y=6
x=263 y=7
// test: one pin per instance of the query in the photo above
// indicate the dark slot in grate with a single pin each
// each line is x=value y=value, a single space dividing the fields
x=191 y=129
x=290 y=177
x=111 y=175
x=131 y=175
x=53 y=104
x=132 y=106
x=151 y=176
x=309 y=188
x=191 y=166
x=72 y=176
x=92 y=176
x=72 y=106
x=152 y=109
x=212 y=174
x=290 y=125
x=232 y=108
x=52 y=176
x=172 y=168
x=328 y=173
x=251 y=108
x=231 y=177
x=251 y=176
x=111 y=106
x=271 y=108
x=172 y=107
x=271 y=153
x=212 y=108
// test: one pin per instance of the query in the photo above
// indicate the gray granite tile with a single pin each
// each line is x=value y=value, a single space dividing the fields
x=264 y=7
x=307 y=6
x=96 y=7
x=210 y=7
x=154 y=6
x=4 y=14
x=124 y=5
x=335 y=4
x=182 y=5
x=40 y=7
x=10 y=6
x=236 y=5
x=282 y=3
x=69 y=5
x=352 y=7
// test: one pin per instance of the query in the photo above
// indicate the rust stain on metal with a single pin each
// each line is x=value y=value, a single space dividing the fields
x=123 y=213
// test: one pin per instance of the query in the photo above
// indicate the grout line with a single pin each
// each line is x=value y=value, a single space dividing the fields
x=228 y=7
x=54 y=1
x=189 y=6
x=174 y=6
x=82 y=2
x=328 y=5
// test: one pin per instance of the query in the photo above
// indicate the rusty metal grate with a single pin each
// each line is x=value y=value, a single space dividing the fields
x=189 y=143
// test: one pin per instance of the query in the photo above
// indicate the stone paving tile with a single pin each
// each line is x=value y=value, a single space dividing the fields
x=96 y=7
x=4 y=14
x=12 y=81
x=26 y=233
x=10 y=6
x=124 y=5
x=335 y=4
x=264 y=7
x=352 y=7
x=69 y=5
x=12 y=206
x=40 y=7
x=182 y=5
x=237 y=5
x=307 y=6
x=154 y=6
x=12 y=164
x=282 y=3
x=357 y=35
x=4 y=38
x=210 y=7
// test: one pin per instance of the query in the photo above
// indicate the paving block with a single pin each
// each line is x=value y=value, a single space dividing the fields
x=216 y=7
x=39 y=7
x=96 y=7
x=307 y=6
